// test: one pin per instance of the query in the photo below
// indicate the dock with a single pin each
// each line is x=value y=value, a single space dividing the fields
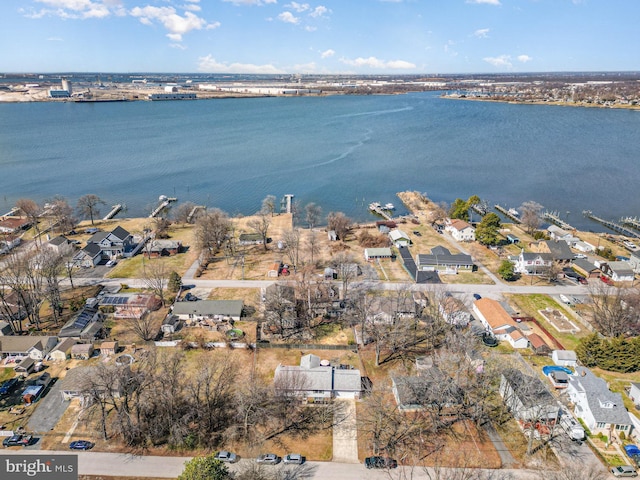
x=376 y=208
x=479 y=209
x=631 y=222
x=114 y=211
x=616 y=227
x=164 y=203
x=554 y=217
x=11 y=212
x=507 y=214
x=193 y=212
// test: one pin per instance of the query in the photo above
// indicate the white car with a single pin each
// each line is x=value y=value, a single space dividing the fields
x=227 y=457
x=268 y=458
x=294 y=458
x=111 y=263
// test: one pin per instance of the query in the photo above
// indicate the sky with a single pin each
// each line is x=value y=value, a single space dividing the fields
x=319 y=37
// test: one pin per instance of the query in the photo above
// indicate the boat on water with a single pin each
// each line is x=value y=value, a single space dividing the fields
x=389 y=206
x=375 y=206
x=513 y=212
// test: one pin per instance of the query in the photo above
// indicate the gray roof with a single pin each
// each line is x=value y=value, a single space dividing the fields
x=21 y=344
x=64 y=345
x=597 y=393
x=434 y=389
x=559 y=250
x=585 y=265
x=565 y=355
x=59 y=240
x=92 y=249
x=231 y=308
x=321 y=378
x=529 y=256
x=441 y=256
x=621 y=268
x=121 y=233
x=530 y=390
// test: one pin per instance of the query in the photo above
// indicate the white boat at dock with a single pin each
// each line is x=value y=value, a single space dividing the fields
x=513 y=212
x=389 y=206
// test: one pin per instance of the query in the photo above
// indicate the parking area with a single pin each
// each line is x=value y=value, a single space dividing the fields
x=49 y=409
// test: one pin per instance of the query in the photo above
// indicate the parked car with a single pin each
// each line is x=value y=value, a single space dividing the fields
x=225 y=456
x=17 y=440
x=417 y=233
x=268 y=458
x=190 y=297
x=111 y=263
x=583 y=281
x=624 y=471
x=380 y=462
x=477 y=296
x=633 y=452
x=81 y=445
x=8 y=385
x=294 y=458
x=606 y=280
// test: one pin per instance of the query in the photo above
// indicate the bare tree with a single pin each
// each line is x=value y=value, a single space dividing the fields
x=31 y=210
x=155 y=276
x=89 y=206
x=291 y=239
x=62 y=214
x=182 y=212
x=312 y=245
x=340 y=223
x=530 y=216
x=347 y=270
x=575 y=470
x=614 y=310
x=268 y=205
x=260 y=225
x=313 y=213
x=144 y=326
x=50 y=264
x=211 y=231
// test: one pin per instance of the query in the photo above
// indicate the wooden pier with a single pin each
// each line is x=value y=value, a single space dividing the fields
x=11 y=212
x=631 y=222
x=377 y=209
x=479 y=209
x=554 y=217
x=114 y=211
x=506 y=213
x=193 y=212
x=611 y=225
x=164 y=203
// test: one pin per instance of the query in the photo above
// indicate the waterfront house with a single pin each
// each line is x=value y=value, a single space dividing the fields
x=113 y=244
x=14 y=224
x=316 y=380
x=461 y=230
x=601 y=410
x=618 y=271
x=217 y=310
x=377 y=253
x=8 y=242
x=558 y=234
x=634 y=261
x=527 y=398
x=443 y=261
x=560 y=251
x=584 y=247
x=247 y=239
x=399 y=238
x=496 y=320
x=533 y=263
x=162 y=248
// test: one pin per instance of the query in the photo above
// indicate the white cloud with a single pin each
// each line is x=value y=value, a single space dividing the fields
x=500 y=61
x=327 y=53
x=75 y=9
x=374 y=62
x=176 y=25
x=319 y=11
x=178 y=46
x=309 y=28
x=481 y=33
x=209 y=64
x=298 y=7
x=191 y=7
x=288 y=17
x=258 y=3
x=486 y=2
x=524 y=58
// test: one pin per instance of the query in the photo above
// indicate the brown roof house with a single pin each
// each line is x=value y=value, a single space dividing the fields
x=496 y=320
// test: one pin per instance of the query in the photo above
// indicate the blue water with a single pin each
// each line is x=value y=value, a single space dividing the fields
x=341 y=152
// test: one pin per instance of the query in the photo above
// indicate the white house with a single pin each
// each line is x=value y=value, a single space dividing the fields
x=618 y=271
x=527 y=398
x=601 y=410
x=62 y=350
x=454 y=312
x=376 y=253
x=533 y=263
x=16 y=346
x=317 y=380
x=584 y=247
x=634 y=261
x=209 y=309
x=399 y=238
x=461 y=231
x=634 y=393
x=496 y=320
x=564 y=358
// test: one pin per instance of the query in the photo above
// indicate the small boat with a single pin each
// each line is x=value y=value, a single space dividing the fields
x=389 y=206
x=374 y=206
x=513 y=212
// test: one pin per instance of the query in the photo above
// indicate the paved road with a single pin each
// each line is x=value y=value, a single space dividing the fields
x=345 y=433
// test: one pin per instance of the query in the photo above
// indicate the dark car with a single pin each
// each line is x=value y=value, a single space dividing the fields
x=17 y=441
x=380 y=462
x=7 y=386
x=190 y=297
x=81 y=445
x=477 y=296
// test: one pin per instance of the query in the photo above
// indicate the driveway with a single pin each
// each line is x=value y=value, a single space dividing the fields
x=345 y=433
x=49 y=410
x=408 y=261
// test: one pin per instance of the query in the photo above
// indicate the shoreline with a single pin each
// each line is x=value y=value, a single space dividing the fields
x=555 y=103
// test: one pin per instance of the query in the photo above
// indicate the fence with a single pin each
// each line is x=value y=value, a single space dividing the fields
x=307 y=346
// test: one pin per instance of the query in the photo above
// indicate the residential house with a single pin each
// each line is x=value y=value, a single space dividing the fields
x=113 y=244
x=60 y=244
x=533 y=263
x=584 y=247
x=461 y=231
x=618 y=271
x=376 y=253
x=527 y=398
x=62 y=350
x=8 y=242
x=108 y=348
x=12 y=306
x=86 y=324
x=25 y=366
x=433 y=390
x=170 y=324
x=247 y=239
x=162 y=248
x=586 y=268
x=220 y=310
x=18 y=346
x=89 y=256
x=496 y=320
x=441 y=260
x=399 y=238
x=634 y=393
x=281 y=309
x=82 y=351
x=130 y=305
x=564 y=358
x=385 y=226
x=454 y=311
x=601 y=410
x=559 y=250
x=317 y=380
x=14 y=224
x=386 y=310
x=634 y=261
x=559 y=234
x=78 y=381
x=538 y=345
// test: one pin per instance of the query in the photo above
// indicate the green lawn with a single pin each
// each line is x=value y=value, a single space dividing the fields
x=6 y=374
